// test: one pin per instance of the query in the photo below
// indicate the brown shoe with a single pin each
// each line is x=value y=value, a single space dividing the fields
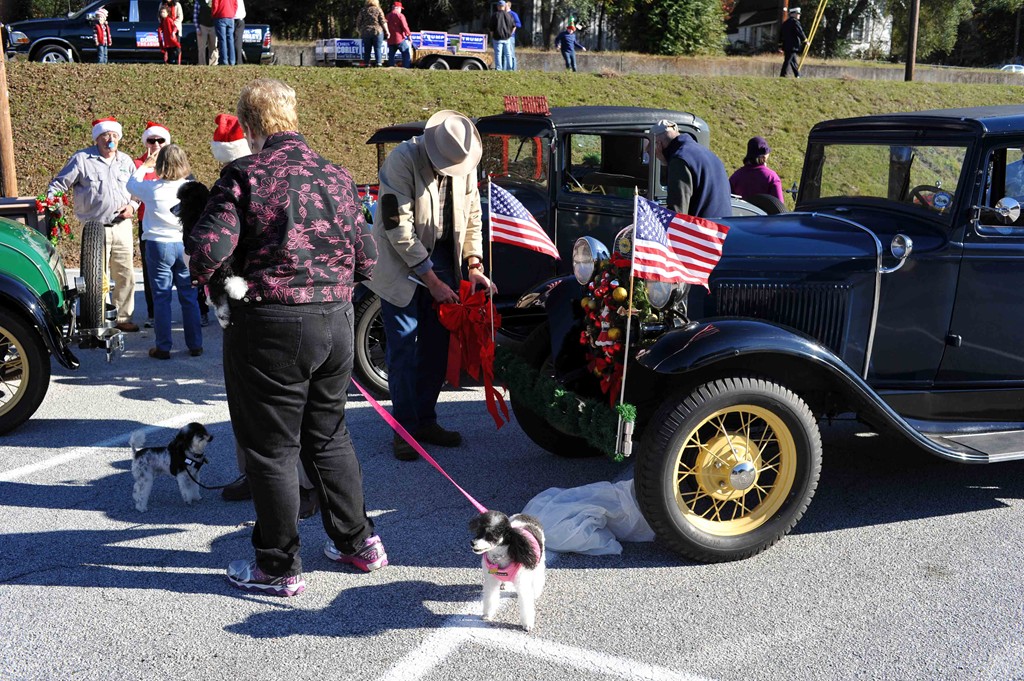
x=127 y=327
x=403 y=451
x=309 y=502
x=237 y=491
x=436 y=435
x=157 y=353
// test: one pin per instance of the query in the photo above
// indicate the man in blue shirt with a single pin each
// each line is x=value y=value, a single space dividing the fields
x=567 y=43
x=512 y=40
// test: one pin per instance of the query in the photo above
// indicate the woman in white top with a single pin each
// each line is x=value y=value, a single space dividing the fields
x=165 y=252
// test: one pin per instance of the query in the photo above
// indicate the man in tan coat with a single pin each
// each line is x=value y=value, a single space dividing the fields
x=427 y=225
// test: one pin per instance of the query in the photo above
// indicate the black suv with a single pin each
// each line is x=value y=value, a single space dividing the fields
x=574 y=169
x=890 y=293
x=133 y=25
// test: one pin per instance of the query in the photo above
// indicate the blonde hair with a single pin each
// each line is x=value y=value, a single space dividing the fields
x=373 y=3
x=266 y=106
x=172 y=163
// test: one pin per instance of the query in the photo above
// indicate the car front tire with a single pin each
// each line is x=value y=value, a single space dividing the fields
x=24 y=371
x=728 y=469
x=53 y=54
x=370 y=365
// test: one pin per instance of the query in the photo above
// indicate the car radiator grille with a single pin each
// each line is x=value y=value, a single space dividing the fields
x=819 y=310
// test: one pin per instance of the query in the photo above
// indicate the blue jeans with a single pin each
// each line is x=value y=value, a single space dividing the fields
x=417 y=357
x=405 y=47
x=225 y=40
x=286 y=372
x=373 y=42
x=101 y=57
x=167 y=268
x=512 y=53
x=570 y=60
x=502 y=60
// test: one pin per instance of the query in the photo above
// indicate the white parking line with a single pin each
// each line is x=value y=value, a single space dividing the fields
x=117 y=440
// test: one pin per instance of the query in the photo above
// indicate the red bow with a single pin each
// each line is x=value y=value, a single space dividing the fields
x=471 y=346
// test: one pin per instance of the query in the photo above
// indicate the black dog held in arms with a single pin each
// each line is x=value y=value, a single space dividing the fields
x=224 y=283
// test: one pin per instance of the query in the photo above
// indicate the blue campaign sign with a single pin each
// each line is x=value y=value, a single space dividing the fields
x=416 y=42
x=433 y=40
x=473 y=42
x=348 y=48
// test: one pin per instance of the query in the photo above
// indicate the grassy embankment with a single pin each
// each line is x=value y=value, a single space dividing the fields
x=52 y=107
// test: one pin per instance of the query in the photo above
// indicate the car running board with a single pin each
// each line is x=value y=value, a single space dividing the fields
x=1007 y=445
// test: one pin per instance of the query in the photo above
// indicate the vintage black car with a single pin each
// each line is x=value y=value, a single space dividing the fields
x=574 y=169
x=133 y=26
x=890 y=293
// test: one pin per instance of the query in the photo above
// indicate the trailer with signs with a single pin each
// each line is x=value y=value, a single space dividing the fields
x=436 y=50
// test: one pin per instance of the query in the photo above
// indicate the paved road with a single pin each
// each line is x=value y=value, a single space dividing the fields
x=903 y=568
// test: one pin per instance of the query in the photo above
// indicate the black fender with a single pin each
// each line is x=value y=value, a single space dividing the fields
x=23 y=301
x=713 y=347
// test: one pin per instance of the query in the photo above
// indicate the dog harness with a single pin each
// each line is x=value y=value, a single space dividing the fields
x=508 y=574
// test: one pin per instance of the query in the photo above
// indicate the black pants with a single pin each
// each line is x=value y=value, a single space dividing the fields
x=790 y=63
x=286 y=371
x=239 y=36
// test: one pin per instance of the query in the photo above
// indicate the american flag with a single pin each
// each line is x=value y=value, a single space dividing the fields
x=512 y=224
x=674 y=247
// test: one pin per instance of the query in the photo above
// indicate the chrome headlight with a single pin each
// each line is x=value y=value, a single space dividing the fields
x=585 y=254
x=19 y=38
x=659 y=293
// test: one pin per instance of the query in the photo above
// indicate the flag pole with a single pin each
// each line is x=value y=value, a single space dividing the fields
x=627 y=445
x=490 y=252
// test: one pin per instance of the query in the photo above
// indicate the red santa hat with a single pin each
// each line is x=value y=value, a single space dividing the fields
x=228 y=139
x=108 y=124
x=156 y=130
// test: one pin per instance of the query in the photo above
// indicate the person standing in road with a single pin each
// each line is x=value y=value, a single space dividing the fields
x=755 y=177
x=399 y=36
x=300 y=242
x=427 y=224
x=224 y=22
x=793 y=39
x=98 y=177
x=512 y=40
x=698 y=184
x=567 y=42
x=373 y=30
x=240 y=32
x=502 y=27
x=206 y=36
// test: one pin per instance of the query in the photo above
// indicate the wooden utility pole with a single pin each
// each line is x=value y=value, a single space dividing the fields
x=915 y=10
x=8 y=176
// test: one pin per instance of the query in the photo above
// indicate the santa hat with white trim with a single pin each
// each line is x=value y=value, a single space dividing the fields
x=229 y=141
x=108 y=124
x=156 y=130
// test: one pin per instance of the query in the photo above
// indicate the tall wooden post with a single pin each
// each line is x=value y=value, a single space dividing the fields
x=8 y=176
x=915 y=10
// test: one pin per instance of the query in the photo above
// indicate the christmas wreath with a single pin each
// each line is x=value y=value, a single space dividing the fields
x=606 y=310
x=55 y=212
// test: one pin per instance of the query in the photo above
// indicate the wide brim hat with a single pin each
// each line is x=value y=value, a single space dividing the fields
x=453 y=143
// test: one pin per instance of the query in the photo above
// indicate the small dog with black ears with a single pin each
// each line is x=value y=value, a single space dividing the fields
x=186 y=452
x=224 y=283
x=513 y=551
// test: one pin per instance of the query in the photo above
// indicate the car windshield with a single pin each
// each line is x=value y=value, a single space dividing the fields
x=922 y=176
x=511 y=159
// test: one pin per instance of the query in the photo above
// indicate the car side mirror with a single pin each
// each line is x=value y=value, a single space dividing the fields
x=1008 y=208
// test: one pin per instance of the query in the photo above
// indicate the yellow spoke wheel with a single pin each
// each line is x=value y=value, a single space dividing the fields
x=727 y=469
x=24 y=370
x=14 y=373
x=735 y=470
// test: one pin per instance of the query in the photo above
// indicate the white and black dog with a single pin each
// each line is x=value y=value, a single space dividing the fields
x=186 y=452
x=224 y=283
x=513 y=551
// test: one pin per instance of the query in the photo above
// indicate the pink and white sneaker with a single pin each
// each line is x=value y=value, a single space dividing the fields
x=371 y=556
x=248 y=576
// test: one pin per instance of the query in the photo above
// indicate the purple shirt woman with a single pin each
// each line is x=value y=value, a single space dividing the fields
x=755 y=177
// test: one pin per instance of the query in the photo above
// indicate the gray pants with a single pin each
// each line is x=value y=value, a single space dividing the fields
x=206 y=45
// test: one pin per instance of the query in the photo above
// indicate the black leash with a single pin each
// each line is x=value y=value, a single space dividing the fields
x=188 y=469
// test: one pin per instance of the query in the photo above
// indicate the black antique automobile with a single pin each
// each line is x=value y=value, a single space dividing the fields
x=890 y=293
x=574 y=169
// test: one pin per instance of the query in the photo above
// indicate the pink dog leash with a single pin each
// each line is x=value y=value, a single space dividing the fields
x=397 y=427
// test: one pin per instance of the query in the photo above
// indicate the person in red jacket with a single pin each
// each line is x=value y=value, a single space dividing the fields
x=167 y=32
x=398 y=38
x=103 y=40
x=224 y=23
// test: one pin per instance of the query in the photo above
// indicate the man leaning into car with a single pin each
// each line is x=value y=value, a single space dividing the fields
x=98 y=177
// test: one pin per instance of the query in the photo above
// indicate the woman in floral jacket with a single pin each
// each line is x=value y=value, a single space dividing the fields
x=373 y=29
x=292 y=223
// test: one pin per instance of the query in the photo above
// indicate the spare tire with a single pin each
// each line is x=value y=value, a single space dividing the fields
x=90 y=311
x=766 y=202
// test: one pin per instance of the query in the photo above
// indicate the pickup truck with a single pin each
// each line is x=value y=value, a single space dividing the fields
x=133 y=25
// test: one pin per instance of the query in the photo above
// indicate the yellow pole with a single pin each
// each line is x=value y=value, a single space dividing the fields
x=818 y=15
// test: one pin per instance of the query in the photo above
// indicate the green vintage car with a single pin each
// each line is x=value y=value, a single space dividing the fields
x=38 y=316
